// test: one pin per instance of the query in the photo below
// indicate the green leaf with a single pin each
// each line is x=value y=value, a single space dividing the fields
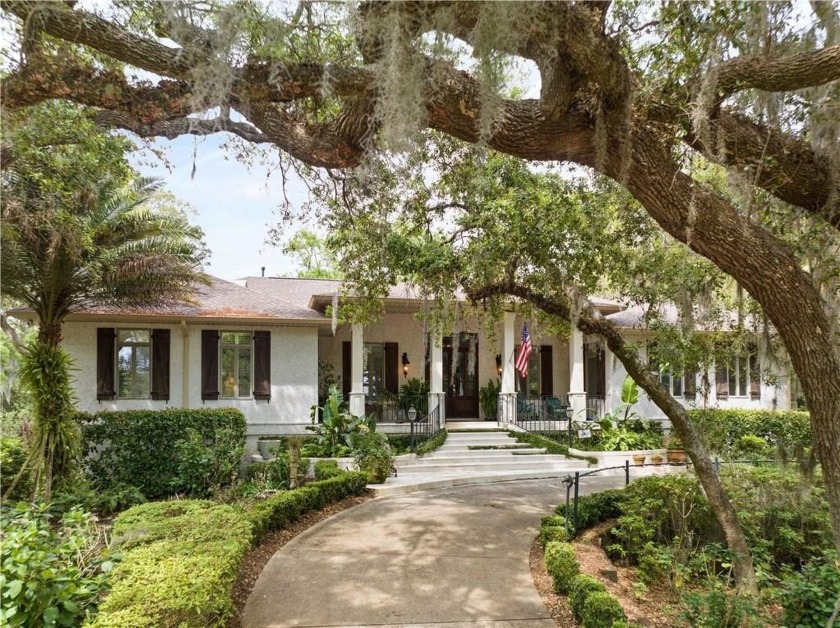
x=14 y=588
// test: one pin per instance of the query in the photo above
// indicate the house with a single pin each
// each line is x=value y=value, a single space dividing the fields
x=265 y=346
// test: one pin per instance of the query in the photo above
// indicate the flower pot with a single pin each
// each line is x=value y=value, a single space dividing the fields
x=676 y=456
x=657 y=459
x=267 y=447
x=639 y=459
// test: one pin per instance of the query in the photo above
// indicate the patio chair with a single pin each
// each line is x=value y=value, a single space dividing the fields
x=555 y=409
x=524 y=410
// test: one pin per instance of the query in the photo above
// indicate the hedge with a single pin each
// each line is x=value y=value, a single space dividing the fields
x=181 y=558
x=561 y=563
x=593 y=509
x=550 y=445
x=164 y=452
x=284 y=508
x=433 y=443
x=601 y=610
x=581 y=587
x=722 y=429
x=180 y=561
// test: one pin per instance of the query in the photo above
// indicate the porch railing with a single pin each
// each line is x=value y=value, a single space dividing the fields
x=395 y=409
x=543 y=415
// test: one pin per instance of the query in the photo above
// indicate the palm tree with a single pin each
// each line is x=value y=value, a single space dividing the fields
x=90 y=243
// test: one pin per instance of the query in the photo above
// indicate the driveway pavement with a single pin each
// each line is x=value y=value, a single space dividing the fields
x=449 y=557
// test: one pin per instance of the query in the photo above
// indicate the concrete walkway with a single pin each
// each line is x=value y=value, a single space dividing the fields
x=451 y=557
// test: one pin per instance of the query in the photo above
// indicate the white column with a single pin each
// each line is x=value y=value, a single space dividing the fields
x=577 y=394
x=507 y=396
x=357 y=395
x=436 y=397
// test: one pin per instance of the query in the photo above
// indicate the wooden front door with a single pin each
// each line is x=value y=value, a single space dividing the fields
x=460 y=375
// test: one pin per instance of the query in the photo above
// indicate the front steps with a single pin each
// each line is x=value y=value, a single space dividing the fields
x=475 y=456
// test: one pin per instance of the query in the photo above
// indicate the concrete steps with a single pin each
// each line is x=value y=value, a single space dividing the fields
x=456 y=464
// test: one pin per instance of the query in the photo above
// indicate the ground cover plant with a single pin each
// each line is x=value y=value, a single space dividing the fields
x=663 y=528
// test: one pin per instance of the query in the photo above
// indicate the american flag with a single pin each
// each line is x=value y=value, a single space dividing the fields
x=525 y=348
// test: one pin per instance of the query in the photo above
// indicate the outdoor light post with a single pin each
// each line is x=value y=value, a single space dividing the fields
x=412 y=416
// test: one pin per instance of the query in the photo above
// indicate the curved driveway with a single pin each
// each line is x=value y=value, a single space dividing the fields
x=453 y=557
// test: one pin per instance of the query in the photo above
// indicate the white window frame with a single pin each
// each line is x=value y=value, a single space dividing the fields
x=741 y=363
x=236 y=346
x=133 y=366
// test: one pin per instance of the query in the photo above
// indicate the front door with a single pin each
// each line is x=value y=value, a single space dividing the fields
x=460 y=375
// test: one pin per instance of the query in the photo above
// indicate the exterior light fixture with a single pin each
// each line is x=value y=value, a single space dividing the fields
x=412 y=414
x=499 y=363
x=405 y=364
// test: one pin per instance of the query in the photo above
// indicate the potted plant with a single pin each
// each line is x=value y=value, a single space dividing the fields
x=656 y=459
x=267 y=445
x=639 y=459
x=676 y=454
x=488 y=398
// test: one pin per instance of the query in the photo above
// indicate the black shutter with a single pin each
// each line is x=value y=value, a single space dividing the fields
x=262 y=365
x=392 y=368
x=546 y=371
x=209 y=364
x=690 y=383
x=722 y=382
x=106 y=340
x=160 y=364
x=346 y=368
x=755 y=377
x=602 y=374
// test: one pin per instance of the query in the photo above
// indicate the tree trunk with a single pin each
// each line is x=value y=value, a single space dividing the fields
x=766 y=268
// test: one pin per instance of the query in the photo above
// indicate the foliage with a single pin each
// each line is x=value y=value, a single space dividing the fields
x=375 y=463
x=716 y=607
x=593 y=509
x=415 y=394
x=326 y=469
x=145 y=448
x=433 y=443
x=785 y=430
x=552 y=528
x=581 y=587
x=53 y=571
x=562 y=565
x=627 y=435
x=809 y=596
x=315 y=261
x=601 y=610
x=488 y=398
x=105 y=502
x=279 y=510
x=12 y=457
x=180 y=560
x=55 y=443
x=340 y=433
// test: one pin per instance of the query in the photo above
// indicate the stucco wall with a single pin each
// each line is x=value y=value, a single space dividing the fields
x=294 y=374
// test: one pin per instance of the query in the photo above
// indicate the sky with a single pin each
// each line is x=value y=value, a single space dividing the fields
x=235 y=207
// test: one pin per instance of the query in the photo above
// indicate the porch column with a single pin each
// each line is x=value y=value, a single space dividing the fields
x=436 y=397
x=507 y=396
x=357 y=394
x=577 y=393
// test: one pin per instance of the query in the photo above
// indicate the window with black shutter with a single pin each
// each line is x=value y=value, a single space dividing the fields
x=262 y=365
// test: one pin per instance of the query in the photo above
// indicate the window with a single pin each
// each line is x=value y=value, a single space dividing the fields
x=530 y=386
x=235 y=373
x=373 y=370
x=235 y=364
x=134 y=364
x=739 y=376
x=540 y=380
x=678 y=384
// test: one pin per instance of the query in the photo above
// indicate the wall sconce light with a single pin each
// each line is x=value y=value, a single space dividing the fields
x=405 y=364
x=499 y=363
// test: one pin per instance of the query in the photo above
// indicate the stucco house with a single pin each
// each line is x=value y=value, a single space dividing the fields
x=259 y=344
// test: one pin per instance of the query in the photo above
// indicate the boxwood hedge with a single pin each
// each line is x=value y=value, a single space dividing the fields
x=722 y=429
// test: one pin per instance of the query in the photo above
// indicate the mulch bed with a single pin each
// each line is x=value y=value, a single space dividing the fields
x=256 y=559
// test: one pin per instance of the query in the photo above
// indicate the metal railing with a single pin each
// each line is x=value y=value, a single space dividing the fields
x=543 y=415
x=424 y=426
x=395 y=409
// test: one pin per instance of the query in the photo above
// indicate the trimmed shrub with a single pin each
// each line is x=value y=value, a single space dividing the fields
x=724 y=429
x=12 y=457
x=808 y=597
x=552 y=528
x=53 y=571
x=581 y=587
x=593 y=509
x=601 y=610
x=431 y=444
x=180 y=560
x=281 y=509
x=561 y=563
x=326 y=469
x=164 y=452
